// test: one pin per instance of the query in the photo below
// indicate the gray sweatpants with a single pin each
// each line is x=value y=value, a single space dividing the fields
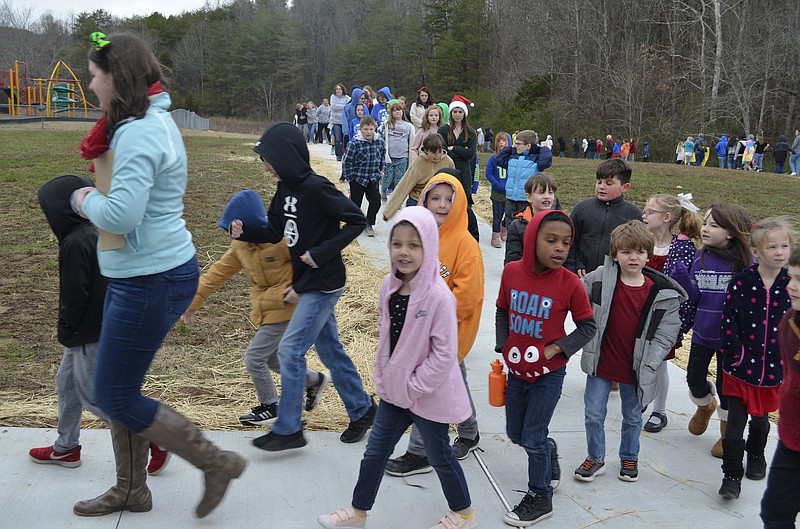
x=467 y=429
x=75 y=391
x=261 y=358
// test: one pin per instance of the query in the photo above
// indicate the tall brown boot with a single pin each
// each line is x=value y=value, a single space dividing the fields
x=131 y=492
x=705 y=409
x=174 y=432
x=717 y=449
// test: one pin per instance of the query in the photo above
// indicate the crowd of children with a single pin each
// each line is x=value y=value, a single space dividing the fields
x=632 y=281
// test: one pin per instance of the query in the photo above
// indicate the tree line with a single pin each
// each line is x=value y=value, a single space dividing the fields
x=654 y=69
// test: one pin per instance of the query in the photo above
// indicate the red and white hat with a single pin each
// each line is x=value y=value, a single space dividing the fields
x=461 y=102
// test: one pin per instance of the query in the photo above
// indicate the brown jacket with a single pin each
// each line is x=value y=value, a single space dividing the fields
x=267 y=266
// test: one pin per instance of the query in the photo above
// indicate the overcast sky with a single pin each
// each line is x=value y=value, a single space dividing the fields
x=120 y=8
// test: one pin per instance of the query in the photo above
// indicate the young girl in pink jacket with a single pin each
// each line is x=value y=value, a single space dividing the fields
x=416 y=372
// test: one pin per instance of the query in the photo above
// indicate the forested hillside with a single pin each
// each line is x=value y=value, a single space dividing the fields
x=646 y=68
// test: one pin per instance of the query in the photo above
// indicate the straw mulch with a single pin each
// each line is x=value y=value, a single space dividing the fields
x=200 y=370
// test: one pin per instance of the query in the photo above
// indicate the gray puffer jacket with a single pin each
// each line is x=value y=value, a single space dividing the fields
x=656 y=331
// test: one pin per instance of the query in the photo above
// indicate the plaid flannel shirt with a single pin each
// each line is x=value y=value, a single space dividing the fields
x=364 y=161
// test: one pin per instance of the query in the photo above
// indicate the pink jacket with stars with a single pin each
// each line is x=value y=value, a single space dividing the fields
x=750 y=318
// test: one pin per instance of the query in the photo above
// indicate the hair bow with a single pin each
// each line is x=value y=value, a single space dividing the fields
x=99 y=40
x=685 y=200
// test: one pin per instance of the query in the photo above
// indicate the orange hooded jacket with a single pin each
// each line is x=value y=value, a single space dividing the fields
x=460 y=261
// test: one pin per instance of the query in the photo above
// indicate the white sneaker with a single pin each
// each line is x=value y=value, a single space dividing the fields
x=342 y=519
x=794 y=174
x=453 y=520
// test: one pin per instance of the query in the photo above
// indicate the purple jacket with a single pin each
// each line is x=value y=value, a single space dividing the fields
x=422 y=374
x=750 y=328
x=706 y=284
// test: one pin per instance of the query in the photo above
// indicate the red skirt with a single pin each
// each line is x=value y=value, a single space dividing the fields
x=757 y=400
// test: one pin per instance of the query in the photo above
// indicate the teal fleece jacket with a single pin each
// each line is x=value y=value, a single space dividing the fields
x=145 y=201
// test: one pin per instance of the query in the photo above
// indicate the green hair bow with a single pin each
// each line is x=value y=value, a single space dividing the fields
x=98 y=38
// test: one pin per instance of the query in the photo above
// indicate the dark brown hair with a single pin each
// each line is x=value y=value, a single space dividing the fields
x=615 y=167
x=134 y=68
x=736 y=221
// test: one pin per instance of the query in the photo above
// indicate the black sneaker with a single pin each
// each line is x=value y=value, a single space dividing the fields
x=589 y=469
x=731 y=487
x=408 y=464
x=463 y=446
x=756 y=467
x=314 y=393
x=531 y=509
x=358 y=428
x=555 y=475
x=656 y=422
x=629 y=470
x=274 y=442
x=261 y=414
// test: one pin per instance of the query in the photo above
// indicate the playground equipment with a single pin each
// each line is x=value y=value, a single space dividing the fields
x=59 y=95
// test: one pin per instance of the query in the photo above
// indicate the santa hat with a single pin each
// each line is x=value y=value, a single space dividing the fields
x=461 y=102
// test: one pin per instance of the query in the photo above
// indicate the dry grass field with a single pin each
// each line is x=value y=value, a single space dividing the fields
x=200 y=369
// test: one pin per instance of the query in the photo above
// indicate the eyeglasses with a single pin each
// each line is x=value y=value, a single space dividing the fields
x=520 y=143
x=649 y=212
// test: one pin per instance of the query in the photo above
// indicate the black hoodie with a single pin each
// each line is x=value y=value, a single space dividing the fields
x=305 y=211
x=81 y=287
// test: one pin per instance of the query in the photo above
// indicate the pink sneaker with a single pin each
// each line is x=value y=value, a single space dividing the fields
x=453 y=520
x=342 y=519
x=158 y=459
x=49 y=456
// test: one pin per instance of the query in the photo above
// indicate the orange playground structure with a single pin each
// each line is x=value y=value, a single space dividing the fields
x=60 y=95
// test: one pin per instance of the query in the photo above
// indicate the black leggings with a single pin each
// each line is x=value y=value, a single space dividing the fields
x=322 y=128
x=737 y=420
x=697 y=373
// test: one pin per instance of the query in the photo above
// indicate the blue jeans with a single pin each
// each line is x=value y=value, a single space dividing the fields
x=698 y=158
x=390 y=424
x=595 y=403
x=722 y=162
x=337 y=140
x=779 y=167
x=312 y=132
x=529 y=409
x=794 y=163
x=314 y=323
x=731 y=162
x=779 y=506
x=758 y=161
x=393 y=173
x=137 y=315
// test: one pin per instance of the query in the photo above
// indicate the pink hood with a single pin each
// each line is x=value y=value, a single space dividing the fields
x=422 y=374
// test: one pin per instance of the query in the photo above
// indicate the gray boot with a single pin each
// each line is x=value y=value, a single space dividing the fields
x=131 y=492
x=175 y=433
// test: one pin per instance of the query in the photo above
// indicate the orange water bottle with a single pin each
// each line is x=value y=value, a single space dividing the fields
x=497 y=384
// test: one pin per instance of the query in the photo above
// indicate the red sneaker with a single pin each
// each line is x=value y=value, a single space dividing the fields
x=49 y=456
x=158 y=459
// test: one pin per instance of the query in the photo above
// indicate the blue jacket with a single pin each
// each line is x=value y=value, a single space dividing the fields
x=520 y=167
x=497 y=175
x=349 y=113
x=722 y=147
x=145 y=201
x=378 y=110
